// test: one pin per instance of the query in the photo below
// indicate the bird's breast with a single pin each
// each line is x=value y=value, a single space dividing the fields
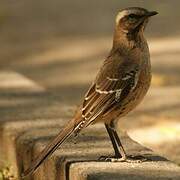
x=138 y=93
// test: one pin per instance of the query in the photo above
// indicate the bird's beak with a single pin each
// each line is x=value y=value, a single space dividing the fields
x=151 y=13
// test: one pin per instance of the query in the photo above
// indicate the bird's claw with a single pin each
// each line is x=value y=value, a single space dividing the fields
x=111 y=159
x=129 y=159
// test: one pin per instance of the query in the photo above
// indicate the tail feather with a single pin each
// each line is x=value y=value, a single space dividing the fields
x=50 y=148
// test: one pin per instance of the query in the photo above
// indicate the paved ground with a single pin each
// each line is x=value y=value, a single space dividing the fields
x=59 y=46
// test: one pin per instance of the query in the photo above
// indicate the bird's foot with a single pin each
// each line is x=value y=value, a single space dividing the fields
x=136 y=159
x=129 y=159
x=112 y=159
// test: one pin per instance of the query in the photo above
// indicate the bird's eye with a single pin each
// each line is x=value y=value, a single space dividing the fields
x=132 y=18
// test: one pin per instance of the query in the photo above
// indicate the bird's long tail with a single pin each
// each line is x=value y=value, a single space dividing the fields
x=51 y=147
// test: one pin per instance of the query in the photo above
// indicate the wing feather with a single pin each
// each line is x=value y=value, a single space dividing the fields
x=106 y=92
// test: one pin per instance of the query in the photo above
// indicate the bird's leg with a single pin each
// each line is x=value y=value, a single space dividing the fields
x=120 y=154
x=130 y=158
x=113 y=141
x=118 y=142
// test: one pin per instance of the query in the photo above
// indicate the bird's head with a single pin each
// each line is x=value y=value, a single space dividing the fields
x=133 y=19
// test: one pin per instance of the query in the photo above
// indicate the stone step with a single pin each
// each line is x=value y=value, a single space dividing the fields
x=79 y=160
x=155 y=170
x=31 y=116
x=23 y=107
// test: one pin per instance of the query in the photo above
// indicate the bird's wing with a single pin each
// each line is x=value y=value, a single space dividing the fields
x=106 y=92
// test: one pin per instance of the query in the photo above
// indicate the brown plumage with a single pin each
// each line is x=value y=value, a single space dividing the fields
x=119 y=87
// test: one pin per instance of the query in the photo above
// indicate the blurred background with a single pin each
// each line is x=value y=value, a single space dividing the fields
x=60 y=44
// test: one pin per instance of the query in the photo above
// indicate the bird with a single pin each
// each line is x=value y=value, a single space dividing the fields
x=120 y=85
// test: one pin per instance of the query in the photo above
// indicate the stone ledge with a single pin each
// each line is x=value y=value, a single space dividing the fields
x=12 y=131
x=155 y=170
x=29 y=123
x=79 y=160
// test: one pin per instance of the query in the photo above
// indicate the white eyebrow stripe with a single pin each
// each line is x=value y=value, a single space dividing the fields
x=121 y=15
x=112 y=79
x=126 y=12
